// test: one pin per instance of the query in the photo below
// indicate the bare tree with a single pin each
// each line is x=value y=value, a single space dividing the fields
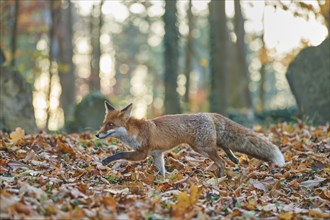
x=189 y=54
x=53 y=5
x=14 y=33
x=96 y=23
x=262 y=87
x=241 y=57
x=218 y=57
x=171 y=102
x=263 y=68
x=65 y=65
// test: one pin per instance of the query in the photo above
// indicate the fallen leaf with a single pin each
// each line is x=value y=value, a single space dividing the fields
x=313 y=183
x=286 y=216
x=181 y=205
x=258 y=185
x=185 y=201
x=317 y=213
x=17 y=135
x=195 y=193
x=21 y=208
x=109 y=202
x=118 y=191
x=16 y=165
x=65 y=148
x=6 y=201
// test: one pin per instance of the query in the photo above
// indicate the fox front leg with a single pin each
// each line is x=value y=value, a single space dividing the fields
x=159 y=161
x=132 y=156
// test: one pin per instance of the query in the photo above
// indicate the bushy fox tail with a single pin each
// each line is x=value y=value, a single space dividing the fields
x=241 y=139
x=258 y=147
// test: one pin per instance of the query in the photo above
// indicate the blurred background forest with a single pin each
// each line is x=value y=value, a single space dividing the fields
x=165 y=56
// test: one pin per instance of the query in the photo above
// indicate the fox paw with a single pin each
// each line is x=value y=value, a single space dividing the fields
x=234 y=159
x=220 y=173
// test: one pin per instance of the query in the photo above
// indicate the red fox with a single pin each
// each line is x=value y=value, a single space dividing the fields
x=205 y=133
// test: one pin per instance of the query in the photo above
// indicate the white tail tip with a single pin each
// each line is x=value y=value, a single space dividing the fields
x=278 y=157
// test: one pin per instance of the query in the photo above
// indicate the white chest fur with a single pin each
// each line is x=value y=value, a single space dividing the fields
x=122 y=134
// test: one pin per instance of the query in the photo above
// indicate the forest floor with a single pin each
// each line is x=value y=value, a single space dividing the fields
x=60 y=176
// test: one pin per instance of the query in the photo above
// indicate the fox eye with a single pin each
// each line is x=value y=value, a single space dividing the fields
x=110 y=124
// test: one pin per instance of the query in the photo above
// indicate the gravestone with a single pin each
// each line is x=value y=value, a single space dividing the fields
x=309 y=80
x=16 y=109
x=88 y=113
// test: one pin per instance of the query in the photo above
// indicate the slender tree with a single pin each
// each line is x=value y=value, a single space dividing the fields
x=65 y=65
x=189 y=54
x=241 y=56
x=14 y=33
x=218 y=57
x=96 y=23
x=263 y=55
x=171 y=102
x=53 y=5
x=2 y=57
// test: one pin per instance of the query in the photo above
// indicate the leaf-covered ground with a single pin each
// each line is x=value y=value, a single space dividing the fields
x=60 y=176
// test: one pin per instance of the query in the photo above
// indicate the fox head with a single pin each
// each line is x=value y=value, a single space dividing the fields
x=115 y=120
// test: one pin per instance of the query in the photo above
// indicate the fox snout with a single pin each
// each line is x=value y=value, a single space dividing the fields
x=102 y=135
x=116 y=132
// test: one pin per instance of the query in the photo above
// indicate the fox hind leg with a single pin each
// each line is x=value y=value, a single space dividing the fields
x=206 y=144
x=212 y=153
x=230 y=154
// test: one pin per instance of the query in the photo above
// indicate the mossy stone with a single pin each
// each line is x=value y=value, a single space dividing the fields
x=309 y=80
x=88 y=113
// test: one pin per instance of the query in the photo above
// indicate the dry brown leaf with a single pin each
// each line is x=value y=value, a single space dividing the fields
x=109 y=202
x=21 y=208
x=181 y=205
x=17 y=135
x=286 y=216
x=312 y=183
x=195 y=193
x=65 y=148
x=185 y=201
x=258 y=185
x=317 y=213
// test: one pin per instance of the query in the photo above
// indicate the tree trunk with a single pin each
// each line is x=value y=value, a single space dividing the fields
x=241 y=56
x=96 y=24
x=171 y=101
x=189 y=55
x=235 y=99
x=14 y=34
x=263 y=59
x=262 y=87
x=218 y=57
x=53 y=12
x=65 y=65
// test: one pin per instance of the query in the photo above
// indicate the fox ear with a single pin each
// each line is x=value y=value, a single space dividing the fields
x=126 y=112
x=108 y=107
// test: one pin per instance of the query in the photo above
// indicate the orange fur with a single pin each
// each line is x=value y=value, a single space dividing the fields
x=206 y=133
